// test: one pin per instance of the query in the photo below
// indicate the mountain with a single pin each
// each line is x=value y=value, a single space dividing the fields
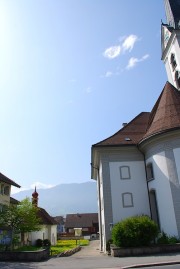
x=65 y=198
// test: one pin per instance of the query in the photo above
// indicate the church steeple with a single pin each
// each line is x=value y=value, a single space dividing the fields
x=172 y=8
x=170 y=41
x=35 y=198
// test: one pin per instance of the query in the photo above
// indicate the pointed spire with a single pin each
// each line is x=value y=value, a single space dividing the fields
x=165 y=114
x=172 y=8
x=35 y=198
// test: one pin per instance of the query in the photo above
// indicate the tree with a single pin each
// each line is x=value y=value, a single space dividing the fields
x=20 y=219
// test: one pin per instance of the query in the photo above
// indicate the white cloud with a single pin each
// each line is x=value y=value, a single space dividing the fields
x=108 y=74
x=40 y=185
x=88 y=90
x=133 y=61
x=37 y=184
x=112 y=52
x=129 y=42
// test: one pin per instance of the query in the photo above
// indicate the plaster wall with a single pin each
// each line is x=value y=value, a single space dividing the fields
x=177 y=161
x=174 y=48
x=135 y=185
x=161 y=185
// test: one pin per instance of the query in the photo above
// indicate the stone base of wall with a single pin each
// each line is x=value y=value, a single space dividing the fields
x=69 y=252
x=35 y=256
x=138 y=251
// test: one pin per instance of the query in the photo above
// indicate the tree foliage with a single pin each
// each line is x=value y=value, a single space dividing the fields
x=134 y=231
x=21 y=218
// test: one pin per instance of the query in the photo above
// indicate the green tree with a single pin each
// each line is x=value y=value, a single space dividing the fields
x=20 y=219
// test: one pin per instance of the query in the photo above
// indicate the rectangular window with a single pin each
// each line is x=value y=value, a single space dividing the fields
x=125 y=172
x=149 y=170
x=127 y=199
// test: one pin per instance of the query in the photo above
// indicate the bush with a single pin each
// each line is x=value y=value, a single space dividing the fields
x=46 y=242
x=163 y=238
x=39 y=243
x=134 y=232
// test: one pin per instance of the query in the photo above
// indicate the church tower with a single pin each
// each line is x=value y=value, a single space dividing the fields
x=170 y=41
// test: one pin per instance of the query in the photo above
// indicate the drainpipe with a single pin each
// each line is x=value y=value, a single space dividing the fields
x=100 y=216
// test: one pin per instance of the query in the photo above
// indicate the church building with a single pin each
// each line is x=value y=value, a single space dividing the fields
x=137 y=169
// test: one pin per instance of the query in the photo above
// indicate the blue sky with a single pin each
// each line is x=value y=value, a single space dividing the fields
x=71 y=72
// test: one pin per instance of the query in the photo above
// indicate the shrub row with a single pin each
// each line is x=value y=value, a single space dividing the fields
x=138 y=231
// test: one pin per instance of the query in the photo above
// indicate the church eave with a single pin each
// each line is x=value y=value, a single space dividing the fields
x=157 y=134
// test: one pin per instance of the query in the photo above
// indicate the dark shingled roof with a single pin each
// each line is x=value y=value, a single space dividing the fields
x=134 y=131
x=13 y=201
x=5 y=179
x=45 y=217
x=81 y=220
x=165 y=116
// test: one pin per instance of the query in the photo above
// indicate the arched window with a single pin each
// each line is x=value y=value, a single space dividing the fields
x=177 y=79
x=173 y=61
x=149 y=170
x=125 y=172
x=127 y=199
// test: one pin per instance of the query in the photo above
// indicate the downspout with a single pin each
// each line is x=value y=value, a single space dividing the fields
x=100 y=216
x=147 y=183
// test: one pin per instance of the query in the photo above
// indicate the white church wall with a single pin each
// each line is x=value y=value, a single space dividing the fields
x=129 y=189
x=173 y=48
x=177 y=161
x=161 y=185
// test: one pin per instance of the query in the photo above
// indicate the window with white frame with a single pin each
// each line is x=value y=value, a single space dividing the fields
x=125 y=172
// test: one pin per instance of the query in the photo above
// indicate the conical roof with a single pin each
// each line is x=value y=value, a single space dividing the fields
x=165 y=115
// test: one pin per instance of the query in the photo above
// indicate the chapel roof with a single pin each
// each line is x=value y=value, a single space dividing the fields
x=5 y=179
x=165 y=116
x=45 y=217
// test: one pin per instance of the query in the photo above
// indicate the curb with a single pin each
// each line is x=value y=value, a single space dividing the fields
x=150 y=264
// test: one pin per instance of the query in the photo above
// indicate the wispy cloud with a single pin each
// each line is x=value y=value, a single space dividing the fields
x=129 y=43
x=126 y=44
x=88 y=90
x=133 y=61
x=108 y=74
x=112 y=52
x=37 y=184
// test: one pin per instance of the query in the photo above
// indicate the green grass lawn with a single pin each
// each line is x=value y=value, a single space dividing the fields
x=64 y=245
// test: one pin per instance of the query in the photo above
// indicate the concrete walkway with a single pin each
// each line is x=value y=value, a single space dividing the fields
x=90 y=258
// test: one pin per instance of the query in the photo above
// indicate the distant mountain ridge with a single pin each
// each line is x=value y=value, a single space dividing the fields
x=65 y=198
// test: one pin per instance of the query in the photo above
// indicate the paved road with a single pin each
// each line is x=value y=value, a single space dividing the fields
x=90 y=258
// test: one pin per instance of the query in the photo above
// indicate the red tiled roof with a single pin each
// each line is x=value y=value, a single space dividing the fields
x=5 y=179
x=130 y=134
x=81 y=220
x=165 y=116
